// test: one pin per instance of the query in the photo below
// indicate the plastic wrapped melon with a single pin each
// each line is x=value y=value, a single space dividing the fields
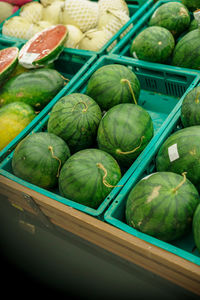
x=32 y=11
x=81 y=13
x=6 y=10
x=45 y=3
x=110 y=4
x=52 y=12
x=94 y=40
x=74 y=36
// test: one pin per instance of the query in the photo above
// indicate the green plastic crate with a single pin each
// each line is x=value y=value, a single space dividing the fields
x=162 y=91
x=136 y=8
x=115 y=215
x=70 y=65
x=123 y=47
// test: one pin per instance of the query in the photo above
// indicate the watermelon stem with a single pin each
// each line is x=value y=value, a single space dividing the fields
x=66 y=79
x=83 y=110
x=181 y=183
x=100 y=166
x=132 y=151
x=197 y=98
x=52 y=153
x=130 y=88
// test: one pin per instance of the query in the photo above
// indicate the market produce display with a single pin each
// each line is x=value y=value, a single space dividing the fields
x=39 y=157
x=8 y=62
x=113 y=84
x=190 y=108
x=88 y=176
x=181 y=153
x=162 y=205
x=90 y=24
x=75 y=118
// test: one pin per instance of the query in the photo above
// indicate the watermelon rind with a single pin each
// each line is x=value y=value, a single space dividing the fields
x=88 y=176
x=124 y=132
x=34 y=87
x=75 y=118
x=190 y=108
x=162 y=205
x=181 y=153
x=38 y=159
x=110 y=85
x=191 y=4
x=196 y=227
x=4 y=74
x=30 y=60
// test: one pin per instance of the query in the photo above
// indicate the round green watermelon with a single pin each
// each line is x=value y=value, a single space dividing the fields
x=181 y=153
x=193 y=25
x=124 y=132
x=39 y=157
x=113 y=84
x=191 y=4
x=88 y=176
x=186 y=51
x=173 y=16
x=196 y=227
x=154 y=44
x=35 y=87
x=75 y=118
x=190 y=108
x=162 y=205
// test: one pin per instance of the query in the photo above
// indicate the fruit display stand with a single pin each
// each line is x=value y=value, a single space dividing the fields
x=71 y=66
x=162 y=92
x=136 y=9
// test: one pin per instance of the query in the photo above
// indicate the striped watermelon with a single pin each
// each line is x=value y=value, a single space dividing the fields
x=173 y=16
x=154 y=44
x=191 y=4
x=190 y=109
x=196 y=227
x=162 y=205
x=39 y=157
x=88 y=176
x=113 y=84
x=186 y=51
x=75 y=118
x=44 y=47
x=8 y=62
x=35 y=87
x=124 y=131
x=181 y=153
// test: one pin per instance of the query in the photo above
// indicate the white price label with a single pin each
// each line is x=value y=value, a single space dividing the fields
x=173 y=152
x=28 y=57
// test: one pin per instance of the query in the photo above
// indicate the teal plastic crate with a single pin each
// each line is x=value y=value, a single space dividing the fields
x=137 y=9
x=162 y=91
x=115 y=215
x=70 y=65
x=122 y=48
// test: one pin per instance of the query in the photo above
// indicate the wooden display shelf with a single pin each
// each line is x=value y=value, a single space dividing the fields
x=161 y=262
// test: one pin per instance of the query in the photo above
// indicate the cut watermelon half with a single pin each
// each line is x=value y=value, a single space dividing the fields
x=44 y=47
x=8 y=61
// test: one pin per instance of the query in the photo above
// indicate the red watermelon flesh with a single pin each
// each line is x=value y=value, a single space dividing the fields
x=44 y=47
x=8 y=61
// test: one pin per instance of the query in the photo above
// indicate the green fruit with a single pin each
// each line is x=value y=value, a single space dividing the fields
x=39 y=157
x=75 y=118
x=35 y=87
x=88 y=176
x=193 y=25
x=124 y=132
x=113 y=84
x=191 y=4
x=196 y=227
x=154 y=44
x=162 y=205
x=173 y=16
x=190 y=109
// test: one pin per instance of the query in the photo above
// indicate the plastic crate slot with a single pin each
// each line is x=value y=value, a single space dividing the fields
x=151 y=83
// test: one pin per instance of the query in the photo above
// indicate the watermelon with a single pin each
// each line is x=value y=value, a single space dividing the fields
x=193 y=25
x=191 y=4
x=162 y=205
x=181 y=153
x=35 y=87
x=113 y=84
x=186 y=51
x=8 y=62
x=154 y=44
x=173 y=16
x=196 y=227
x=14 y=117
x=124 y=132
x=75 y=118
x=190 y=108
x=44 y=47
x=88 y=176
x=20 y=69
x=39 y=157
